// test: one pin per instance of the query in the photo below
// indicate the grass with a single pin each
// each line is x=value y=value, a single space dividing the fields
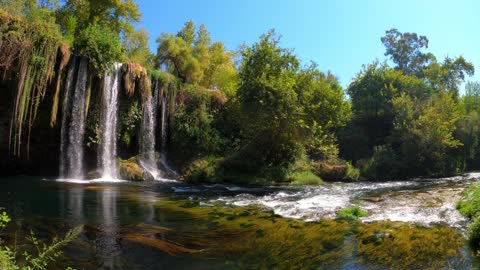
x=351 y=213
x=298 y=178
x=469 y=206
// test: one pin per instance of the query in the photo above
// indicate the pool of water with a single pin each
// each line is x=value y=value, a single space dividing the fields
x=171 y=225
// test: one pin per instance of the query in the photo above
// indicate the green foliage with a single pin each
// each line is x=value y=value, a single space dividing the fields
x=100 y=45
x=117 y=15
x=137 y=50
x=405 y=51
x=425 y=129
x=29 y=48
x=383 y=165
x=469 y=206
x=352 y=173
x=4 y=220
x=130 y=120
x=13 y=259
x=283 y=110
x=351 y=213
x=194 y=131
x=203 y=170
x=191 y=56
x=304 y=178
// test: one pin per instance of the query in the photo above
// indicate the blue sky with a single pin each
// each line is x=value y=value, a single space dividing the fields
x=339 y=35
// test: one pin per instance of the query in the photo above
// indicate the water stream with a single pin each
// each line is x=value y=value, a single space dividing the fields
x=73 y=122
x=147 y=138
x=108 y=151
x=172 y=225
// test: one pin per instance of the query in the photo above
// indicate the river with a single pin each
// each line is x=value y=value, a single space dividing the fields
x=172 y=225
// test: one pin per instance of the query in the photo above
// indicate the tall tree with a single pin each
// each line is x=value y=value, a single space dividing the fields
x=137 y=49
x=405 y=50
x=191 y=56
x=118 y=15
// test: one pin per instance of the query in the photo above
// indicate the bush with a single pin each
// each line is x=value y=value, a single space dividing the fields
x=304 y=178
x=194 y=131
x=203 y=170
x=352 y=173
x=469 y=207
x=9 y=257
x=351 y=213
x=382 y=165
x=473 y=233
x=100 y=45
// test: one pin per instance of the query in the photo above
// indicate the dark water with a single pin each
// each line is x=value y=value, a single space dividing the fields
x=160 y=225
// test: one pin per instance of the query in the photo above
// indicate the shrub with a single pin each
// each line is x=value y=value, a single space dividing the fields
x=202 y=170
x=304 y=178
x=469 y=207
x=9 y=259
x=382 y=165
x=351 y=213
x=352 y=173
x=473 y=233
x=100 y=45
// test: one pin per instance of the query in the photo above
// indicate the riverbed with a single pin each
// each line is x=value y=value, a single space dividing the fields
x=171 y=225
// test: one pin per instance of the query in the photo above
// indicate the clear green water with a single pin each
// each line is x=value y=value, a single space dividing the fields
x=150 y=226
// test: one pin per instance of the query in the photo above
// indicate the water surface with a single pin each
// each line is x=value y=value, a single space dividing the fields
x=171 y=225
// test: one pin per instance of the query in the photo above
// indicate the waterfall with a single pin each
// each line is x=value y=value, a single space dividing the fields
x=109 y=109
x=163 y=130
x=73 y=122
x=147 y=135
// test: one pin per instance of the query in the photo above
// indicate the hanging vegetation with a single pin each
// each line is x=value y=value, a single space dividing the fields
x=29 y=48
x=134 y=76
x=64 y=54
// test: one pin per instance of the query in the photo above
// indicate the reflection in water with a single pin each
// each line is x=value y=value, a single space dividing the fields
x=106 y=244
x=72 y=206
x=177 y=226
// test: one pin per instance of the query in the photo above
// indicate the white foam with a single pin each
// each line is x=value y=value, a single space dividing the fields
x=161 y=179
x=425 y=201
x=98 y=180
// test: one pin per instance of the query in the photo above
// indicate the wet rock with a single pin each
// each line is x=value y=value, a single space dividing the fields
x=373 y=199
x=131 y=170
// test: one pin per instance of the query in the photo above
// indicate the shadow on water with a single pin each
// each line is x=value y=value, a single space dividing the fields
x=176 y=226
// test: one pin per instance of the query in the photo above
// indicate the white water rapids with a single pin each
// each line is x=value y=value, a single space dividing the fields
x=423 y=201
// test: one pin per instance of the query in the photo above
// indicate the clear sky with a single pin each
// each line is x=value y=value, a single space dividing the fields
x=339 y=35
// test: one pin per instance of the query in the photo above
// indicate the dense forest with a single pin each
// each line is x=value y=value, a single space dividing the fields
x=256 y=115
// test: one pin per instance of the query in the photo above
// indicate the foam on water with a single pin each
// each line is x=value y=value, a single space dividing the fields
x=98 y=180
x=425 y=201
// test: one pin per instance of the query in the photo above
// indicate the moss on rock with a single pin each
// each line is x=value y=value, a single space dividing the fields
x=131 y=170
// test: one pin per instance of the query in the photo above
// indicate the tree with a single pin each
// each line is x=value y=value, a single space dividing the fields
x=118 y=15
x=424 y=131
x=191 y=56
x=371 y=93
x=137 y=49
x=325 y=110
x=285 y=110
x=447 y=76
x=405 y=50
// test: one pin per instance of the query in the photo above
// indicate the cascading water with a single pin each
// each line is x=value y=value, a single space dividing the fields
x=109 y=109
x=73 y=122
x=163 y=131
x=147 y=135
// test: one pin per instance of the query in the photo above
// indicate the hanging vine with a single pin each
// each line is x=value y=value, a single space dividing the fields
x=30 y=49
